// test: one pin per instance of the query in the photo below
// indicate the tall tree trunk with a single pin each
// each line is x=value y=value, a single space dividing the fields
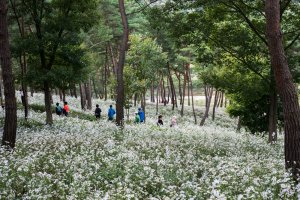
x=95 y=90
x=63 y=95
x=60 y=95
x=157 y=98
x=209 y=93
x=222 y=99
x=1 y=96
x=285 y=87
x=82 y=96
x=192 y=94
x=10 y=123
x=113 y=59
x=215 y=104
x=173 y=92
x=120 y=80
x=135 y=96
x=179 y=87
x=273 y=116
x=152 y=93
x=183 y=93
x=88 y=95
x=49 y=119
x=23 y=64
x=164 y=92
x=188 y=83
x=105 y=73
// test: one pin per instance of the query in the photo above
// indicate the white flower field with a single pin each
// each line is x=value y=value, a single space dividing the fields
x=83 y=159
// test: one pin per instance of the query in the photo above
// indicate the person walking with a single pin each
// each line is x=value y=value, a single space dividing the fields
x=66 y=109
x=98 y=112
x=141 y=114
x=111 y=113
x=58 y=109
x=160 y=121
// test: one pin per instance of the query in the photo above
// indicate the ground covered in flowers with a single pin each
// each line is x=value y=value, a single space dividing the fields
x=85 y=159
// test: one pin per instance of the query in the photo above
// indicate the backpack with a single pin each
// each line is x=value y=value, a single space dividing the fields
x=58 y=109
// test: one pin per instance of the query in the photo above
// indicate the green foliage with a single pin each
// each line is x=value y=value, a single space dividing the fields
x=145 y=62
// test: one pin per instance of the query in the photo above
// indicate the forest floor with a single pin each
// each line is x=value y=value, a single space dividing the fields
x=81 y=158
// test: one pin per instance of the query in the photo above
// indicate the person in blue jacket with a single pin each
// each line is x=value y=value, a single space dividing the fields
x=111 y=113
x=141 y=114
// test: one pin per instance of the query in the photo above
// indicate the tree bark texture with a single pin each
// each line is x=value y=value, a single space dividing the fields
x=88 y=95
x=192 y=94
x=10 y=124
x=173 y=92
x=285 y=87
x=215 y=104
x=209 y=92
x=183 y=91
x=82 y=96
x=122 y=53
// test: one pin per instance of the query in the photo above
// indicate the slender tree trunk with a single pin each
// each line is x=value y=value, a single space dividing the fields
x=120 y=80
x=164 y=92
x=63 y=95
x=105 y=73
x=60 y=95
x=273 y=116
x=179 y=87
x=173 y=92
x=95 y=90
x=188 y=83
x=88 y=95
x=192 y=94
x=10 y=123
x=209 y=91
x=285 y=87
x=23 y=64
x=215 y=105
x=183 y=93
x=135 y=99
x=1 y=96
x=152 y=93
x=47 y=93
x=113 y=59
x=82 y=96
x=222 y=99
x=239 y=124
x=157 y=98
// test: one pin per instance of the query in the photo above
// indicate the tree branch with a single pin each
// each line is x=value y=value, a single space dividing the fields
x=143 y=8
x=248 y=21
x=292 y=42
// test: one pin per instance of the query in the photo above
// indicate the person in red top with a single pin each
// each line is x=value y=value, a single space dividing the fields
x=66 y=109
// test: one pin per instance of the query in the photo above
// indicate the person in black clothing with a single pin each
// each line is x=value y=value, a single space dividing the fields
x=160 y=121
x=97 y=111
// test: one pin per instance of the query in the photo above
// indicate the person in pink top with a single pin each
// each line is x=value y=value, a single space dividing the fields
x=66 y=109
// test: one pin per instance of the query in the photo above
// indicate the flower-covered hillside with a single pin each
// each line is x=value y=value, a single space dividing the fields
x=81 y=159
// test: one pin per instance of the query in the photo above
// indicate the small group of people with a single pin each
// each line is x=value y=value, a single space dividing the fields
x=110 y=114
x=173 y=121
x=139 y=116
x=62 y=111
